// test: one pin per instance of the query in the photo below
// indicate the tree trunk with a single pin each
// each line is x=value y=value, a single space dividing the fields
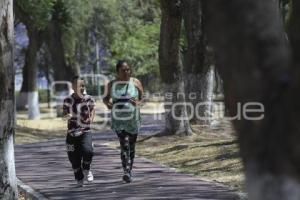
x=294 y=31
x=30 y=67
x=8 y=184
x=171 y=68
x=197 y=73
x=62 y=70
x=253 y=59
x=29 y=91
x=29 y=86
x=294 y=38
x=177 y=118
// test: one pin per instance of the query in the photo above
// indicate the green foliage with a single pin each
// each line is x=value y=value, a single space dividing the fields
x=139 y=49
x=94 y=90
x=102 y=22
x=78 y=13
x=39 y=11
x=137 y=38
x=128 y=29
x=86 y=18
x=43 y=96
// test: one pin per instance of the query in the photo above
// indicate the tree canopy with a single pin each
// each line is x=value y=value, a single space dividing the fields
x=124 y=29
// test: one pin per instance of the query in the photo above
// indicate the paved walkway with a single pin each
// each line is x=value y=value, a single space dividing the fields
x=45 y=168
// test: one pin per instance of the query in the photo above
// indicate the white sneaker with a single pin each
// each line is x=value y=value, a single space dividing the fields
x=79 y=183
x=88 y=175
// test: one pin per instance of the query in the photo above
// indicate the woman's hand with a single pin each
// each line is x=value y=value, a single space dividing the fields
x=109 y=105
x=106 y=99
x=67 y=117
x=135 y=102
x=87 y=121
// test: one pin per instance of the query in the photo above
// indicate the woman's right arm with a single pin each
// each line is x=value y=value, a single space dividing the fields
x=67 y=106
x=106 y=99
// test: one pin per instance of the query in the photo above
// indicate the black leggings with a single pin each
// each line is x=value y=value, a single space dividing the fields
x=127 y=145
x=80 y=153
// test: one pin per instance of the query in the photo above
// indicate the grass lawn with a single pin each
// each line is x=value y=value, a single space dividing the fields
x=29 y=131
x=207 y=155
x=45 y=128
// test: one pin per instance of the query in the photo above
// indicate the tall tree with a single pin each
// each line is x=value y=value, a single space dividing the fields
x=8 y=184
x=293 y=32
x=137 y=23
x=29 y=87
x=293 y=134
x=177 y=121
x=197 y=71
x=68 y=30
x=63 y=71
x=252 y=55
x=35 y=16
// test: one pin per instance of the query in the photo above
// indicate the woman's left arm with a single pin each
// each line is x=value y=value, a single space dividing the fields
x=140 y=88
x=92 y=115
x=91 y=106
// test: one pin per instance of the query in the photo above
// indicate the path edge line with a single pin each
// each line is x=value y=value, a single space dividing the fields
x=30 y=193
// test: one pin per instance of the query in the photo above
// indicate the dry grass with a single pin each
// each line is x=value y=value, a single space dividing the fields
x=210 y=154
x=29 y=131
x=45 y=128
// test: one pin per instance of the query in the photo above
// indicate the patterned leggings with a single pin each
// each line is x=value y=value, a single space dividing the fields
x=80 y=153
x=127 y=145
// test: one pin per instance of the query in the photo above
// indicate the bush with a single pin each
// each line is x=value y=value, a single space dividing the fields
x=43 y=96
x=93 y=89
